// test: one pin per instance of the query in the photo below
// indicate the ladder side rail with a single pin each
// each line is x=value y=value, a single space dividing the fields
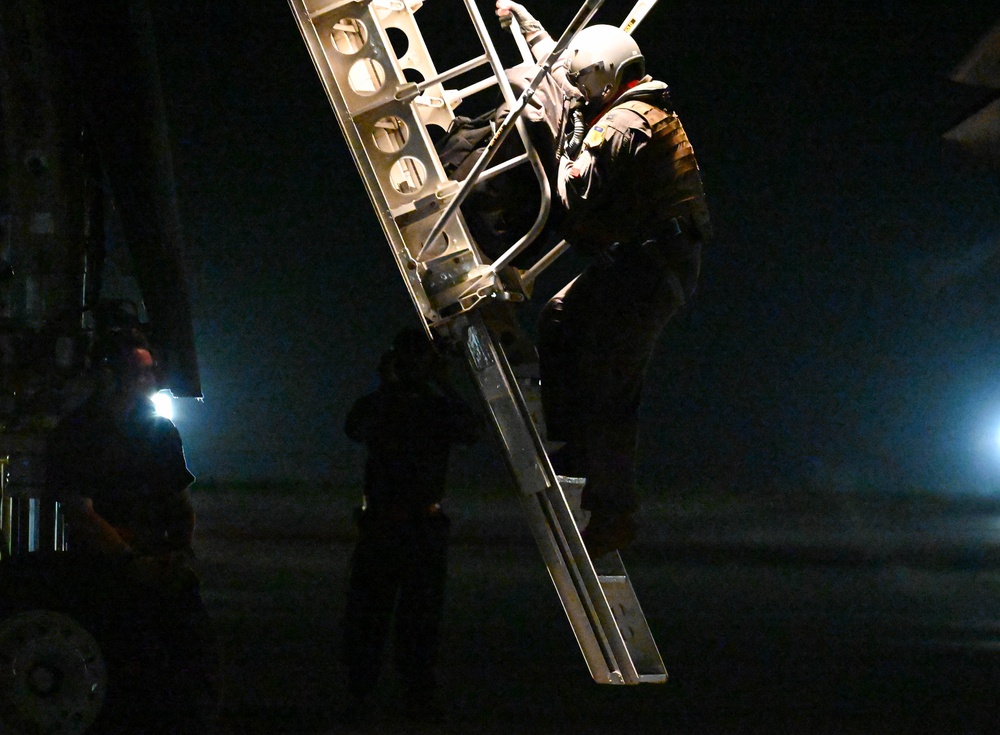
x=575 y=549
x=531 y=156
x=405 y=180
x=517 y=106
x=572 y=555
x=307 y=20
x=635 y=16
x=543 y=214
x=521 y=453
x=528 y=277
x=562 y=545
x=613 y=626
x=559 y=540
x=577 y=607
x=331 y=6
x=545 y=207
x=575 y=565
x=496 y=387
x=439 y=285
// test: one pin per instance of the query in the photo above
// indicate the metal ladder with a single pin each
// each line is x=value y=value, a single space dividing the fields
x=385 y=117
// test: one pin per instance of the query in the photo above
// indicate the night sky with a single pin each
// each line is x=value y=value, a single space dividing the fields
x=845 y=332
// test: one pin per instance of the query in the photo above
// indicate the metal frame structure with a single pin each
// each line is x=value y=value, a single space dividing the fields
x=384 y=118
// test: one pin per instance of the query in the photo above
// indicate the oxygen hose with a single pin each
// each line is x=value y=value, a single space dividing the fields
x=573 y=145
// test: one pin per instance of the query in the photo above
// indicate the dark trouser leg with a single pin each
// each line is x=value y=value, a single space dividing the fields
x=595 y=342
x=192 y=676
x=163 y=658
x=558 y=351
x=373 y=585
x=418 y=617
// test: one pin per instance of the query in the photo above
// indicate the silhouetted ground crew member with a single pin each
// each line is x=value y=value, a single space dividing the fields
x=634 y=202
x=118 y=470
x=408 y=425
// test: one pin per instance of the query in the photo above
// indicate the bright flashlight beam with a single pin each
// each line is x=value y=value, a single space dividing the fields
x=164 y=404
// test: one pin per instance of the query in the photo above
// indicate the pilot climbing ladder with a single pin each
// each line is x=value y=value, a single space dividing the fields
x=387 y=93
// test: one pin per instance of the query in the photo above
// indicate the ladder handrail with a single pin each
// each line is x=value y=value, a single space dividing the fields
x=513 y=118
x=635 y=16
x=529 y=276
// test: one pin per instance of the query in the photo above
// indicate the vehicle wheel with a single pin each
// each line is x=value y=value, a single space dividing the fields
x=53 y=676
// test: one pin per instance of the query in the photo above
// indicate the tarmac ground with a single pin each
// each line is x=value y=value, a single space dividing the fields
x=812 y=614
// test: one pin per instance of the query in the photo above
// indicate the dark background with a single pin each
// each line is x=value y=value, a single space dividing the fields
x=844 y=335
x=842 y=340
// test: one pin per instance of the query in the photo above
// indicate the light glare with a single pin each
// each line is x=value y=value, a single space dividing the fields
x=164 y=404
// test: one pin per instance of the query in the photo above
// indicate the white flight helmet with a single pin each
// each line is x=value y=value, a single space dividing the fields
x=597 y=58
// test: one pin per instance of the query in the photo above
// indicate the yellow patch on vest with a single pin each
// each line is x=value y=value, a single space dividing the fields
x=595 y=137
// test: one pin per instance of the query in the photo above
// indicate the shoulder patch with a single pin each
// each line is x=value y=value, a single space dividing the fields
x=595 y=137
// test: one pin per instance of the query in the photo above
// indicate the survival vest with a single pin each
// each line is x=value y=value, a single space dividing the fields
x=660 y=183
